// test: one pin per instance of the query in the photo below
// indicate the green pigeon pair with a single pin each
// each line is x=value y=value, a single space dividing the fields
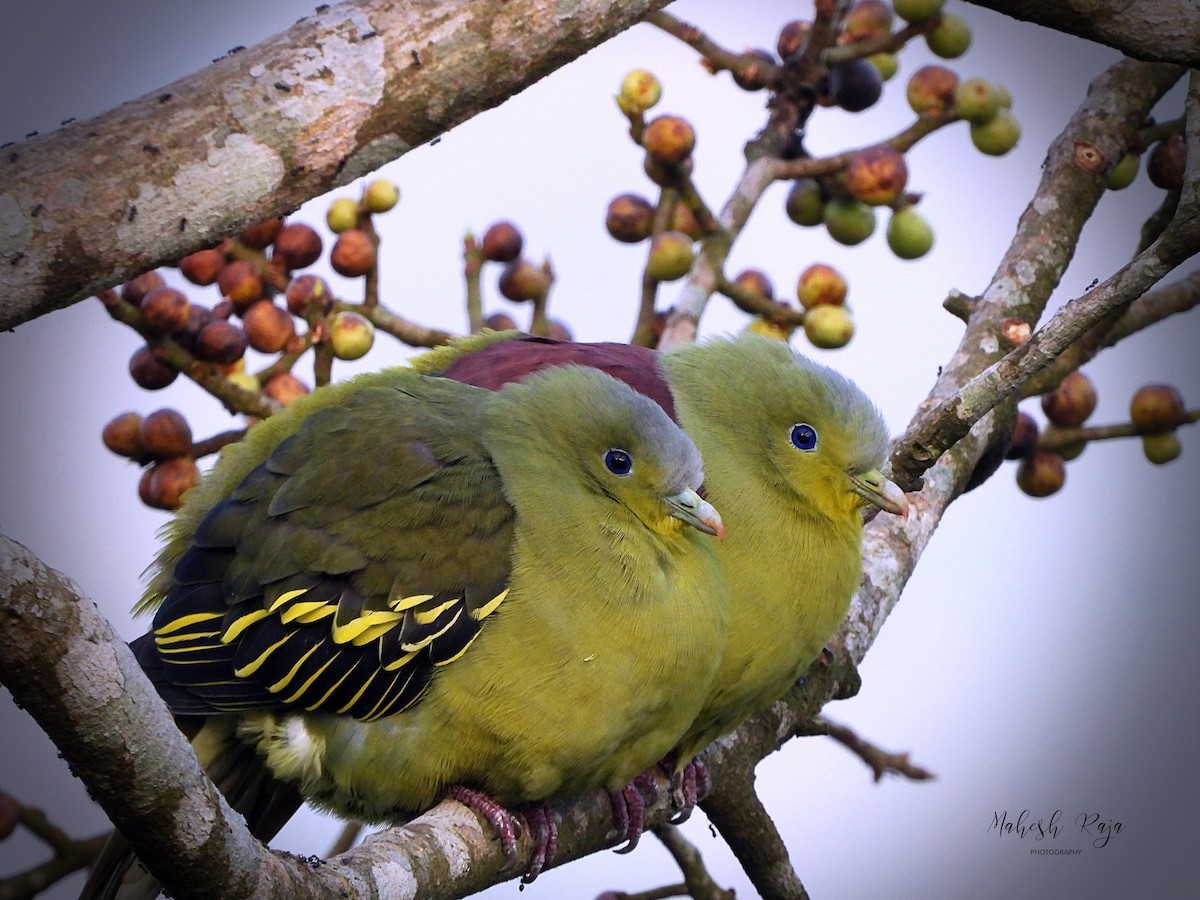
x=475 y=578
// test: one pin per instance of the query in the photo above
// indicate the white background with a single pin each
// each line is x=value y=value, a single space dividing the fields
x=1042 y=656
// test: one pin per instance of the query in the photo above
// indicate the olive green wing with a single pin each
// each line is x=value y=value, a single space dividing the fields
x=365 y=551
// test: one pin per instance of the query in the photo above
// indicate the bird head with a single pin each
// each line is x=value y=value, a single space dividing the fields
x=619 y=444
x=809 y=430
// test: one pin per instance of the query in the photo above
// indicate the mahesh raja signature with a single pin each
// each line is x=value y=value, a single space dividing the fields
x=1091 y=825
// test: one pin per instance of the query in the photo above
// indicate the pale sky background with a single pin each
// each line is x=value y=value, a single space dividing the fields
x=1043 y=655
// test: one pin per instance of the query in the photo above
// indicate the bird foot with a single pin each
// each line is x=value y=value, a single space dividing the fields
x=648 y=786
x=543 y=829
x=496 y=815
x=629 y=815
x=688 y=785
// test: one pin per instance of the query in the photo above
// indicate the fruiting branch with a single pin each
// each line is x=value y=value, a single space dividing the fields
x=885 y=43
x=903 y=141
x=750 y=302
x=405 y=330
x=234 y=398
x=1117 y=104
x=472 y=275
x=716 y=57
x=1061 y=438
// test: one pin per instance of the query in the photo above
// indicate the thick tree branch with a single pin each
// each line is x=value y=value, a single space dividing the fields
x=259 y=132
x=97 y=706
x=1154 y=30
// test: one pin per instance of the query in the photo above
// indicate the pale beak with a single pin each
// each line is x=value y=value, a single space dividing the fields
x=692 y=509
x=876 y=489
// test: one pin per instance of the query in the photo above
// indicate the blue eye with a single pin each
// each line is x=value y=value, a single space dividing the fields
x=804 y=437
x=618 y=462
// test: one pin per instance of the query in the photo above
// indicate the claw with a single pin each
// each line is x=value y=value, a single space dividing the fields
x=683 y=793
x=629 y=815
x=688 y=786
x=543 y=828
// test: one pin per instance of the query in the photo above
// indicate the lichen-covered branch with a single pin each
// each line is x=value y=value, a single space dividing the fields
x=1155 y=30
x=104 y=716
x=261 y=131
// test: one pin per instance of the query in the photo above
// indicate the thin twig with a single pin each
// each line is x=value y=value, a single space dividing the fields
x=1144 y=137
x=643 y=332
x=886 y=43
x=401 y=328
x=472 y=274
x=750 y=302
x=902 y=142
x=371 y=279
x=70 y=854
x=1055 y=438
x=211 y=445
x=716 y=56
x=1158 y=220
x=698 y=883
x=539 y=324
x=879 y=760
